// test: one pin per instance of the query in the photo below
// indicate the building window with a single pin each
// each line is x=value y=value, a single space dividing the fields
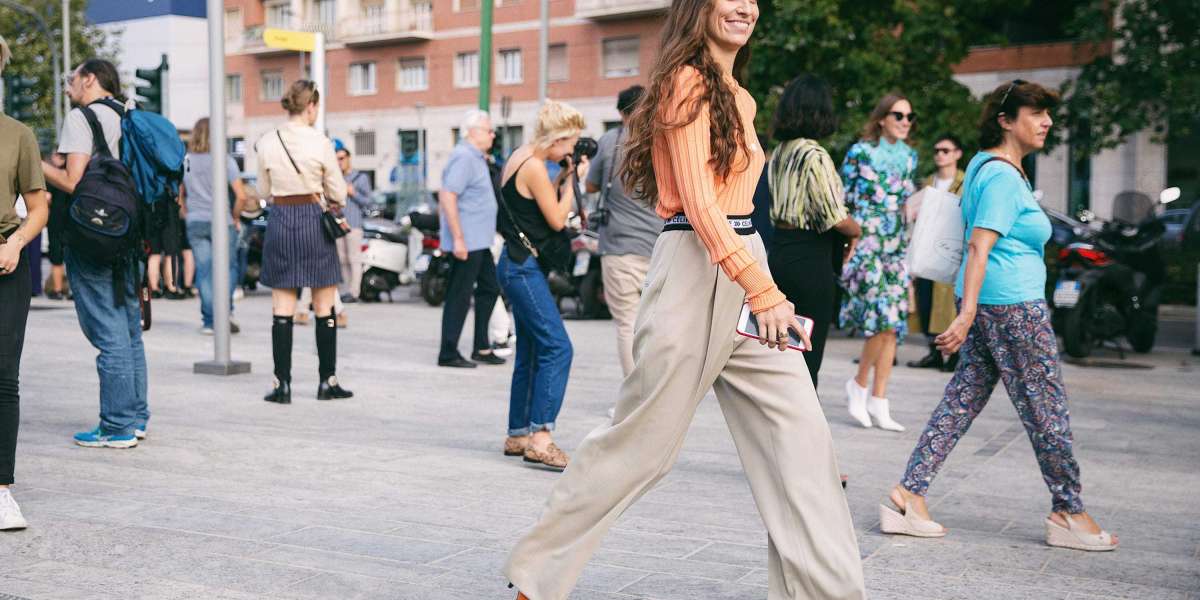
x=233 y=24
x=465 y=5
x=272 y=85
x=556 y=59
x=424 y=13
x=508 y=138
x=410 y=172
x=466 y=70
x=326 y=11
x=414 y=75
x=362 y=78
x=364 y=143
x=233 y=89
x=511 y=68
x=621 y=57
x=374 y=21
x=279 y=15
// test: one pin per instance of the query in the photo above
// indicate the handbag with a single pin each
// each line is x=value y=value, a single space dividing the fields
x=552 y=254
x=333 y=222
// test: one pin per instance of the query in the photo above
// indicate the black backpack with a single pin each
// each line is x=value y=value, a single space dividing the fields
x=105 y=212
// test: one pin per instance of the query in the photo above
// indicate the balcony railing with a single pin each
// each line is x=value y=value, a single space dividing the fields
x=390 y=26
x=617 y=9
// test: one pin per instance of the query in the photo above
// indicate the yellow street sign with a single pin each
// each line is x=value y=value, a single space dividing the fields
x=302 y=41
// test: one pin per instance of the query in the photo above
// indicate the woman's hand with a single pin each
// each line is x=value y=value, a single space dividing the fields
x=851 y=244
x=10 y=254
x=581 y=171
x=954 y=336
x=773 y=324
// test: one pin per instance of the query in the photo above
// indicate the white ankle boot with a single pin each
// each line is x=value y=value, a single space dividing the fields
x=878 y=409
x=856 y=402
x=10 y=513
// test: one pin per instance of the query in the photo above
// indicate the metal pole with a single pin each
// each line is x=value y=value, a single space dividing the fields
x=544 y=52
x=485 y=58
x=318 y=77
x=61 y=103
x=218 y=147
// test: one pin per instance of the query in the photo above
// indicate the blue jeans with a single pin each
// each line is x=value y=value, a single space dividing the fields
x=544 y=352
x=116 y=331
x=243 y=254
x=199 y=235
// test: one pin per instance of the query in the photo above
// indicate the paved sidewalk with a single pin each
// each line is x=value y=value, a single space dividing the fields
x=402 y=492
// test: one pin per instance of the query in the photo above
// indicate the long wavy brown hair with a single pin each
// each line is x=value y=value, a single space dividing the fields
x=684 y=43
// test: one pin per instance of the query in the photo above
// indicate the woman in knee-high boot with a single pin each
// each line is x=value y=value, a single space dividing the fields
x=296 y=167
x=694 y=152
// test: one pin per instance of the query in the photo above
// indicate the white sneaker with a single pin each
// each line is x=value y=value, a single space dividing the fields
x=10 y=513
x=878 y=409
x=856 y=402
x=206 y=331
x=238 y=293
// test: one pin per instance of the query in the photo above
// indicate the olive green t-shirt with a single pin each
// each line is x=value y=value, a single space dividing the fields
x=20 y=169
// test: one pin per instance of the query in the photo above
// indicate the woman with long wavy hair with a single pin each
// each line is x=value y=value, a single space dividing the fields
x=694 y=150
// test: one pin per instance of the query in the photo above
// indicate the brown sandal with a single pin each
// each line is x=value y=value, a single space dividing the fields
x=552 y=457
x=516 y=445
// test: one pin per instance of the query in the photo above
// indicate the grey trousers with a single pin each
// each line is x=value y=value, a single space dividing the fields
x=685 y=343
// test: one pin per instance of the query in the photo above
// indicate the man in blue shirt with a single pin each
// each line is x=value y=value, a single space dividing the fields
x=467 y=204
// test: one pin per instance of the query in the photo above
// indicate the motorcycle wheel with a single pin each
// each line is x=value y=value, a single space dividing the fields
x=372 y=284
x=1077 y=335
x=433 y=285
x=1143 y=328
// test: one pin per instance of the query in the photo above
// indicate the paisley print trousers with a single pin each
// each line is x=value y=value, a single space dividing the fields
x=1013 y=343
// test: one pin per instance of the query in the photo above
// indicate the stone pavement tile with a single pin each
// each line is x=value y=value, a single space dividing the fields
x=355 y=564
x=870 y=542
x=689 y=567
x=932 y=586
x=485 y=523
x=661 y=586
x=732 y=554
x=369 y=544
x=231 y=525
x=38 y=590
x=361 y=520
x=165 y=582
x=1150 y=569
x=1131 y=537
x=653 y=544
x=486 y=567
x=947 y=557
x=1063 y=582
x=757 y=577
x=728 y=516
x=708 y=532
x=345 y=586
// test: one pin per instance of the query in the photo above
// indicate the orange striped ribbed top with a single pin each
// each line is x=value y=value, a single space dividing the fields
x=687 y=183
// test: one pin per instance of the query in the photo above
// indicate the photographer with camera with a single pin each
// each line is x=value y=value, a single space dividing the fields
x=534 y=212
x=628 y=229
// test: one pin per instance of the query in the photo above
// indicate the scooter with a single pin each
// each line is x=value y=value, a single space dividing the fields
x=586 y=282
x=386 y=257
x=1110 y=282
x=432 y=267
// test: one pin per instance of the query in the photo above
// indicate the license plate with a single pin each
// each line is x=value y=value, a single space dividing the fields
x=422 y=263
x=582 y=261
x=1066 y=294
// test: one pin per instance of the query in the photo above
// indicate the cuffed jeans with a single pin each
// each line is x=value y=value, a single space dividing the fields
x=543 y=356
x=14 y=312
x=116 y=331
x=199 y=235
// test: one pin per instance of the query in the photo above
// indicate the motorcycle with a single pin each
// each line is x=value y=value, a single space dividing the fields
x=250 y=243
x=386 y=257
x=432 y=267
x=1110 y=282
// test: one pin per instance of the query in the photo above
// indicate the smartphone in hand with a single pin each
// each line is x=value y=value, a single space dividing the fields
x=748 y=327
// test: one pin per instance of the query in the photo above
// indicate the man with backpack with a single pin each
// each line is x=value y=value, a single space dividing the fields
x=104 y=270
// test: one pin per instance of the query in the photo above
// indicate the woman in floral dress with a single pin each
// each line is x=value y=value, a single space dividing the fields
x=878 y=174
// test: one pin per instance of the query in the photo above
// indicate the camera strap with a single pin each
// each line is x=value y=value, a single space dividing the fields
x=612 y=170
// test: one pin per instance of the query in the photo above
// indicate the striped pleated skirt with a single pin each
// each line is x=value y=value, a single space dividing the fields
x=296 y=253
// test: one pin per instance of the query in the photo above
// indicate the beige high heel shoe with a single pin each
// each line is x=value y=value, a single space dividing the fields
x=906 y=523
x=1077 y=539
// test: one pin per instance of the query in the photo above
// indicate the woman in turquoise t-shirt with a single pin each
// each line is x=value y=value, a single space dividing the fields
x=1003 y=328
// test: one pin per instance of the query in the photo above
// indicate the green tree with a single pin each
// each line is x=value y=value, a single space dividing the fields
x=866 y=48
x=1150 y=80
x=32 y=56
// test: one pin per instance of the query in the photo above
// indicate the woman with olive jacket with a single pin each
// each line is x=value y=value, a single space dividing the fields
x=296 y=167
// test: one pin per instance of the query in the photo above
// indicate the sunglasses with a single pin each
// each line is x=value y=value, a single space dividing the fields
x=1008 y=91
x=943 y=150
x=899 y=116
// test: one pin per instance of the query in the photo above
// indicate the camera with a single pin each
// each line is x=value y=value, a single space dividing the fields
x=586 y=146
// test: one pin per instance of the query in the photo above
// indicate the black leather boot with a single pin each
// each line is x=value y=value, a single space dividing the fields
x=281 y=394
x=933 y=360
x=330 y=390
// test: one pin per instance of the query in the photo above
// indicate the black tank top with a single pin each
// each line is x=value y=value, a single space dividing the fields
x=528 y=216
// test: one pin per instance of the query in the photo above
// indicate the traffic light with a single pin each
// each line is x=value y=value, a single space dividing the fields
x=20 y=97
x=152 y=95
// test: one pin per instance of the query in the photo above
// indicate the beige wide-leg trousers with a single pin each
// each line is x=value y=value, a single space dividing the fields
x=685 y=343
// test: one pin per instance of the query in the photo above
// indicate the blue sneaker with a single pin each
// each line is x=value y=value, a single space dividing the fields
x=139 y=431
x=98 y=439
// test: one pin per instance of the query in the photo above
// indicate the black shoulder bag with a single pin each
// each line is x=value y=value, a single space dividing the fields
x=552 y=254
x=333 y=223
